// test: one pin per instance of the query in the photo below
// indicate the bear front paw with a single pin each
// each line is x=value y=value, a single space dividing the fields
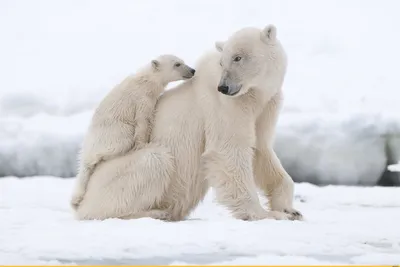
x=277 y=215
x=272 y=215
x=294 y=214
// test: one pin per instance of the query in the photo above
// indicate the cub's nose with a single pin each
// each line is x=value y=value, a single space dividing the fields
x=223 y=89
x=193 y=71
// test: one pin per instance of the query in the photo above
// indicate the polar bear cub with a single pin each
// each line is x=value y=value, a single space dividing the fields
x=123 y=118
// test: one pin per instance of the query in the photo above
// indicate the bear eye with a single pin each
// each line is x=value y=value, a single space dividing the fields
x=237 y=59
x=177 y=64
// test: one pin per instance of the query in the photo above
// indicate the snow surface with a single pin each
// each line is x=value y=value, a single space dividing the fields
x=394 y=167
x=344 y=225
x=59 y=58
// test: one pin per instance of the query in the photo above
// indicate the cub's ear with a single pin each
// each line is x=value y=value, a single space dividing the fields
x=155 y=64
x=219 y=46
x=268 y=34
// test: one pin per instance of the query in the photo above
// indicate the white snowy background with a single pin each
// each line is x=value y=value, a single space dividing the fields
x=340 y=125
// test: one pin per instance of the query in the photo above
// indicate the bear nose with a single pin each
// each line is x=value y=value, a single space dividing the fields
x=193 y=71
x=223 y=89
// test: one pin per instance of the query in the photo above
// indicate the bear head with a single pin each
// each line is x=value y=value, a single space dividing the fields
x=251 y=59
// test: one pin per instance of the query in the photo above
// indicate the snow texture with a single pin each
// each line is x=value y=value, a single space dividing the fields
x=394 y=167
x=334 y=149
x=340 y=123
x=41 y=144
x=344 y=225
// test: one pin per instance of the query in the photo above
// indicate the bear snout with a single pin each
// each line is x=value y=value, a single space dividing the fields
x=189 y=73
x=222 y=88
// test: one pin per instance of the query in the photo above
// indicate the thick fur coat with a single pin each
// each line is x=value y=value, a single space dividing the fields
x=214 y=130
x=123 y=119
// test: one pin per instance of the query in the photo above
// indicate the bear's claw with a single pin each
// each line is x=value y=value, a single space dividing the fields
x=294 y=214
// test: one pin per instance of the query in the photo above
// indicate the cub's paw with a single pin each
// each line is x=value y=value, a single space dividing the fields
x=76 y=200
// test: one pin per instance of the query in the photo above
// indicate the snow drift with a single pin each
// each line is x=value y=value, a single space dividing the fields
x=320 y=149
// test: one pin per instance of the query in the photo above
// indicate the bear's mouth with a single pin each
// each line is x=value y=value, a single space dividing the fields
x=234 y=93
x=239 y=87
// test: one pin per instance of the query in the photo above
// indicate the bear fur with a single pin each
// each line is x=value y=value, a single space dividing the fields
x=239 y=154
x=122 y=120
x=214 y=130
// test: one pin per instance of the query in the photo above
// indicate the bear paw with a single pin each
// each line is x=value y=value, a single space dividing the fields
x=274 y=215
x=160 y=215
x=294 y=214
x=277 y=215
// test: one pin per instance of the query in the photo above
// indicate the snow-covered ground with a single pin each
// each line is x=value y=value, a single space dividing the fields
x=394 y=167
x=59 y=58
x=344 y=225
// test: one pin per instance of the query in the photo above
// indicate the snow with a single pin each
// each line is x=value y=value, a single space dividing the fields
x=42 y=144
x=58 y=59
x=347 y=152
x=61 y=57
x=344 y=225
x=351 y=151
x=394 y=167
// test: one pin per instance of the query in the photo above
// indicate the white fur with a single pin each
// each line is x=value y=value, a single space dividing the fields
x=122 y=120
x=240 y=127
x=203 y=138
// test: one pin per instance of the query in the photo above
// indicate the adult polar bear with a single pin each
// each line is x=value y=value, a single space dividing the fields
x=202 y=137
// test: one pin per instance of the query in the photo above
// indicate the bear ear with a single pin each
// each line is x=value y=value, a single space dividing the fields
x=155 y=64
x=219 y=46
x=268 y=34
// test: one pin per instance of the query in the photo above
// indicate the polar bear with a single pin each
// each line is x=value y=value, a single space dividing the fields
x=214 y=130
x=240 y=126
x=123 y=118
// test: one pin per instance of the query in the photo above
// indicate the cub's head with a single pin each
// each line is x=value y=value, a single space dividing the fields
x=171 y=68
x=250 y=58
